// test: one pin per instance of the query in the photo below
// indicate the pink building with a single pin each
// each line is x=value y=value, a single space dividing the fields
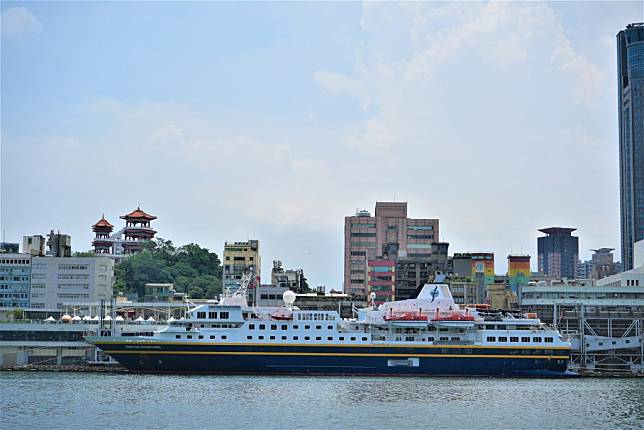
x=389 y=235
x=381 y=280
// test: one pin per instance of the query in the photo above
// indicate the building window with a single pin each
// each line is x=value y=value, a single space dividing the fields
x=318 y=338
x=525 y=339
x=223 y=315
x=262 y=326
x=536 y=339
x=503 y=339
x=212 y=337
x=212 y=315
x=549 y=340
x=223 y=337
x=189 y=336
x=353 y=338
x=284 y=327
x=251 y=326
x=307 y=338
x=514 y=339
x=295 y=338
x=261 y=337
x=274 y=327
x=249 y=337
x=272 y=338
x=491 y=338
x=178 y=336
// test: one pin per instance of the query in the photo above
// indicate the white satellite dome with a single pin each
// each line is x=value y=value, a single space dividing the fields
x=289 y=297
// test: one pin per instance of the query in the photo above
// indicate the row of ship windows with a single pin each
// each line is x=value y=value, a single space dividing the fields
x=213 y=315
x=516 y=339
x=285 y=327
x=224 y=337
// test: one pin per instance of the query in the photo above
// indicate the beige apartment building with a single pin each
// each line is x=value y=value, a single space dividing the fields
x=238 y=258
x=390 y=234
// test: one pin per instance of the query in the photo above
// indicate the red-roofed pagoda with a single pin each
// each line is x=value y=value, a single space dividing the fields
x=137 y=230
x=102 y=243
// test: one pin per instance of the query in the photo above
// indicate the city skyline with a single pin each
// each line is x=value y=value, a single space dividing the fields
x=269 y=128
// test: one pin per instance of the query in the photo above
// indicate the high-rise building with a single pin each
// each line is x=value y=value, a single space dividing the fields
x=389 y=235
x=475 y=266
x=518 y=271
x=630 y=93
x=558 y=252
x=240 y=258
x=599 y=266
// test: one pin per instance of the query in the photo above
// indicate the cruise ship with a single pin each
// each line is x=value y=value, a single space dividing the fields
x=426 y=336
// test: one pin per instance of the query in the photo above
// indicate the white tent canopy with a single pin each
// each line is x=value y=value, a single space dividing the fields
x=76 y=318
x=170 y=319
x=87 y=318
x=96 y=318
x=150 y=319
x=139 y=319
x=107 y=318
x=50 y=319
x=119 y=318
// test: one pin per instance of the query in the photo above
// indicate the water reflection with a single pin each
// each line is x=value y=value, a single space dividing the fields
x=38 y=399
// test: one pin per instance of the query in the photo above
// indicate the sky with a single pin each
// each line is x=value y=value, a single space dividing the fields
x=274 y=121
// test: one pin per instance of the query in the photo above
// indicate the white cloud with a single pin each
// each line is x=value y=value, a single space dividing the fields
x=477 y=110
x=18 y=21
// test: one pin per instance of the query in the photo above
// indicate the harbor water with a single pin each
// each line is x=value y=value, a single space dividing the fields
x=100 y=400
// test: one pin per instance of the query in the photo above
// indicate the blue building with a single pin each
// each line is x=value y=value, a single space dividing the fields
x=630 y=93
x=15 y=280
x=558 y=252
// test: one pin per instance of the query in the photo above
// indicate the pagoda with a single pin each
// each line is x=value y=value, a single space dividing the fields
x=137 y=230
x=102 y=243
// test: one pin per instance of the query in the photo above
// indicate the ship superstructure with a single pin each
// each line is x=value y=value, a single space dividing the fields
x=428 y=335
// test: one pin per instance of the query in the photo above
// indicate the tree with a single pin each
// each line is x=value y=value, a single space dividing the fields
x=191 y=268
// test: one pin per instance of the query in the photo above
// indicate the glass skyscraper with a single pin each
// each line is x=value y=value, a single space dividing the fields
x=630 y=93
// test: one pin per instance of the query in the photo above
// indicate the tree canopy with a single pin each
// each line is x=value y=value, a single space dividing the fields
x=191 y=268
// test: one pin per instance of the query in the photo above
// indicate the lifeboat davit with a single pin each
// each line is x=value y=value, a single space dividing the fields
x=407 y=319
x=454 y=319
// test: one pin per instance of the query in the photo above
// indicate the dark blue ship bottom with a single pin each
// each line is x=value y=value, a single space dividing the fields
x=160 y=357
